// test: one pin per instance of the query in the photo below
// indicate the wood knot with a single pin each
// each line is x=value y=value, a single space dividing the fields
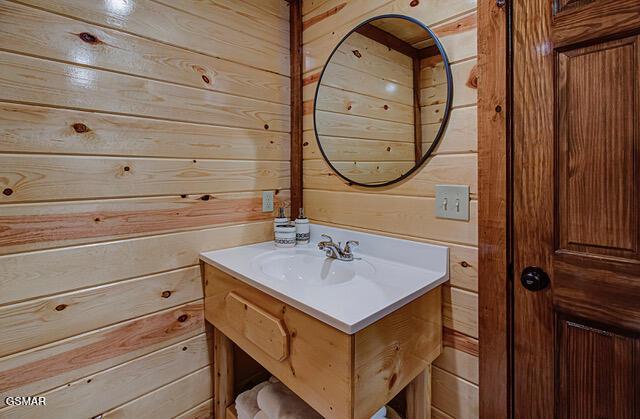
x=205 y=197
x=388 y=148
x=357 y=53
x=206 y=79
x=166 y=294
x=184 y=348
x=349 y=107
x=61 y=307
x=183 y=196
x=498 y=109
x=472 y=81
x=464 y=264
x=183 y=318
x=266 y=126
x=97 y=219
x=386 y=107
x=414 y=3
x=392 y=380
x=88 y=38
x=306 y=143
x=127 y=168
x=7 y=191
x=80 y=128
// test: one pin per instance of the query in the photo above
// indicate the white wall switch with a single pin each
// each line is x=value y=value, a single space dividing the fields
x=267 y=201
x=452 y=202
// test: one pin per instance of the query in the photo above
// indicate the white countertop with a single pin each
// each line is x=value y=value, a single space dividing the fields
x=388 y=274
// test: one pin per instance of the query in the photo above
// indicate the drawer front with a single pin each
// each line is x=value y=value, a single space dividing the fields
x=258 y=326
x=310 y=357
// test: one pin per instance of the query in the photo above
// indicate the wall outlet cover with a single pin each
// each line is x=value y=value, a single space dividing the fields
x=267 y=201
x=452 y=202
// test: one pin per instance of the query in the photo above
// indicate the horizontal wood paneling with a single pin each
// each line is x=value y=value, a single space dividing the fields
x=153 y=20
x=458 y=362
x=352 y=148
x=464 y=85
x=381 y=212
x=460 y=341
x=454 y=395
x=133 y=135
x=460 y=310
x=35 y=32
x=245 y=18
x=169 y=400
x=407 y=209
x=459 y=137
x=442 y=169
x=202 y=411
x=38 y=81
x=92 y=395
x=44 y=177
x=353 y=103
x=59 y=270
x=50 y=366
x=321 y=37
x=41 y=226
x=48 y=319
x=36 y=129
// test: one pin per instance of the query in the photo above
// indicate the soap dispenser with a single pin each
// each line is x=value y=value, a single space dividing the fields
x=281 y=219
x=303 y=232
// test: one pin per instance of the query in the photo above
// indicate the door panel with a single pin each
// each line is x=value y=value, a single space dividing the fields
x=596 y=118
x=594 y=366
x=576 y=137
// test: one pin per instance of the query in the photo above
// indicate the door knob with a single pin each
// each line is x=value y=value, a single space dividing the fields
x=534 y=278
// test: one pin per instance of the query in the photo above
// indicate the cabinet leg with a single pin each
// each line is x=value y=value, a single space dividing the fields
x=418 y=394
x=223 y=373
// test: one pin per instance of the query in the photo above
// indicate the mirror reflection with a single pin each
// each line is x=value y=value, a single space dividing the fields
x=382 y=101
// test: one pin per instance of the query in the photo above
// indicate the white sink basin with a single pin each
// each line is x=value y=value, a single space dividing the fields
x=311 y=268
x=387 y=274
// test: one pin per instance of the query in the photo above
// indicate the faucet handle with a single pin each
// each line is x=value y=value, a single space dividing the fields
x=349 y=244
x=326 y=236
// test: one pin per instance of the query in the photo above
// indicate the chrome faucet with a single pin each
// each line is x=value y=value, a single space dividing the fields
x=334 y=251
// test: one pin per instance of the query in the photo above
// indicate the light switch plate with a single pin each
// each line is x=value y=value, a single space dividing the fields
x=267 y=201
x=452 y=202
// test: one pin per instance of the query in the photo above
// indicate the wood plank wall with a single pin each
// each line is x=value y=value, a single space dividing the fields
x=133 y=135
x=407 y=210
x=358 y=115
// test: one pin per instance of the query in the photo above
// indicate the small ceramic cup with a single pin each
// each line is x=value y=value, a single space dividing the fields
x=285 y=235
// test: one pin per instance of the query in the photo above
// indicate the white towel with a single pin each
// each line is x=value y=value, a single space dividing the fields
x=247 y=402
x=278 y=402
x=380 y=414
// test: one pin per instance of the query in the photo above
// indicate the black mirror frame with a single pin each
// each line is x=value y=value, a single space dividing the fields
x=445 y=118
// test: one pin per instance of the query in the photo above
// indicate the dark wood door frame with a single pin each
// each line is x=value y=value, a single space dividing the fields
x=494 y=209
x=295 y=29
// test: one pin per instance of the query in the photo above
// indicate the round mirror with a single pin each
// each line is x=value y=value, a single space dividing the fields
x=383 y=101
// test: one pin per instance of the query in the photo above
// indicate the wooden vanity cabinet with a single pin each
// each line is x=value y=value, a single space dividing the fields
x=339 y=375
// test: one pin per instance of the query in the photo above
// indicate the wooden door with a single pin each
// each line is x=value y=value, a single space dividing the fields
x=576 y=172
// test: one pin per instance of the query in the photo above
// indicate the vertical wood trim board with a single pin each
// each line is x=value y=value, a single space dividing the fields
x=405 y=210
x=133 y=136
x=295 y=21
x=493 y=211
